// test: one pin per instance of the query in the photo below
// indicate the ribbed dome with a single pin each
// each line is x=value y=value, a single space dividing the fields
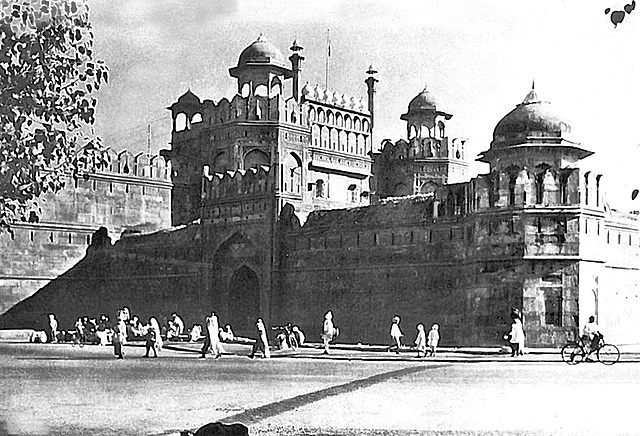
x=532 y=120
x=262 y=51
x=422 y=101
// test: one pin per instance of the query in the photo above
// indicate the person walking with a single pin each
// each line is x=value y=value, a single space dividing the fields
x=151 y=337
x=212 y=340
x=262 y=343
x=53 y=328
x=396 y=335
x=421 y=341
x=516 y=337
x=328 y=331
x=119 y=338
x=432 y=339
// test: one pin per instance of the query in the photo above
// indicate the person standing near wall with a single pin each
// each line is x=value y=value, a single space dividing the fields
x=516 y=337
x=421 y=341
x=262 y=343
x=53 y=328
x=433 y=339
x=119 y=338
x=396 y=335
x=328 y=331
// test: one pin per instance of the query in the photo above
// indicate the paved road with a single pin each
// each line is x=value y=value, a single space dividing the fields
x=58 y=389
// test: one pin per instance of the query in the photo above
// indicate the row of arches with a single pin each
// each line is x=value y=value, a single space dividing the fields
x=421 y=130
x=339 y=140
x=423 y=148
x=239 y=108
x=338 y=119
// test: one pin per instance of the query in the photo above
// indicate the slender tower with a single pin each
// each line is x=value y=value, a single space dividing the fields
x=296 y=61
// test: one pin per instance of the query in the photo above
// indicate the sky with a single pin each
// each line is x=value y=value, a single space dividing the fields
x=478 y=58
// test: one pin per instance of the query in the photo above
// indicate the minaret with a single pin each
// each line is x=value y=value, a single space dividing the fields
x=296 y=60
x=371 y=89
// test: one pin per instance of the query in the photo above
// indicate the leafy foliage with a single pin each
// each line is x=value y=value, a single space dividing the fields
x=47 y=77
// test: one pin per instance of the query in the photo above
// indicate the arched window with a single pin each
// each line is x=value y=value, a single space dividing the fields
x=353 y=193
x=246 y=89
x=441 y=129
x=293 y=173
x=196 y=118
x=598 y=190
x=220 y=162
x=586 y=188
x=276 y=87
x=181 y=122
x=400 y=190
x=261 y=91
x=255 y=158
x=539 y=182
x=347 y=122
x=512 y=189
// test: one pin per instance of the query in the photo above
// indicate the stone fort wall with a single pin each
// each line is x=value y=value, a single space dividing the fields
x=132 y=192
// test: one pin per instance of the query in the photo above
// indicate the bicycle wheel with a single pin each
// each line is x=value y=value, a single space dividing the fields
x=608 y=354
x=572 y=354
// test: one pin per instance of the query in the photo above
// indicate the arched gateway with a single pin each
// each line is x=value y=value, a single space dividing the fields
x=244 y=300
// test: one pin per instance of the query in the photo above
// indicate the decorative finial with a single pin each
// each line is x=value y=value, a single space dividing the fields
x=261 y=37
x=295 y=46
x=533 y=84
x=371 y=71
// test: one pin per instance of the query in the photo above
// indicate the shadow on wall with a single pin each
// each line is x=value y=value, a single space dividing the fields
x=111 y=277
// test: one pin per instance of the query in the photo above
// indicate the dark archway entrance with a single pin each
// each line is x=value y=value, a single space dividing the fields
x=244 y=301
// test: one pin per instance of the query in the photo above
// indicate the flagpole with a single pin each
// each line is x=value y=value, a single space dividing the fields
x=327 y=56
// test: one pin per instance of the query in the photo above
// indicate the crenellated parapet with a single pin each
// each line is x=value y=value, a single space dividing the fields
x=230 y=185
x=237 y=195
x=190 y=118
x=333 y=98
x=127 y=164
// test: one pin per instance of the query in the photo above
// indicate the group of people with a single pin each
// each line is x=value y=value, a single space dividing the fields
x=127 y=327
x=425 y=344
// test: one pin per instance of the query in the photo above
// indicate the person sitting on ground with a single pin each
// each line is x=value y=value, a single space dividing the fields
x=226 y=334
x=298 y=334
x=195 y=333
x=591 y=335
x=176 y=327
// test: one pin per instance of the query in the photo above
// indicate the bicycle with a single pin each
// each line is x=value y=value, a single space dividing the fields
x=576 y=352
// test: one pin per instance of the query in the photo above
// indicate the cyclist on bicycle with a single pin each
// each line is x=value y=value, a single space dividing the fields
x=591 y=335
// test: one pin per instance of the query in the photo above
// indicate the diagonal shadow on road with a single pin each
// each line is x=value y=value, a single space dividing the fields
x=252 y=416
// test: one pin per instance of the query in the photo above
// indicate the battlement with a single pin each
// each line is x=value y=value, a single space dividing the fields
x=234 y=184
x=333 y=98
x=194 y=115
x=418 y=148
x=127 y=164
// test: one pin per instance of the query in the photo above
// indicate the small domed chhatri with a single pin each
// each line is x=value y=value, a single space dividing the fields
x=422 y=101
x=532 y=121
x=261 y=51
